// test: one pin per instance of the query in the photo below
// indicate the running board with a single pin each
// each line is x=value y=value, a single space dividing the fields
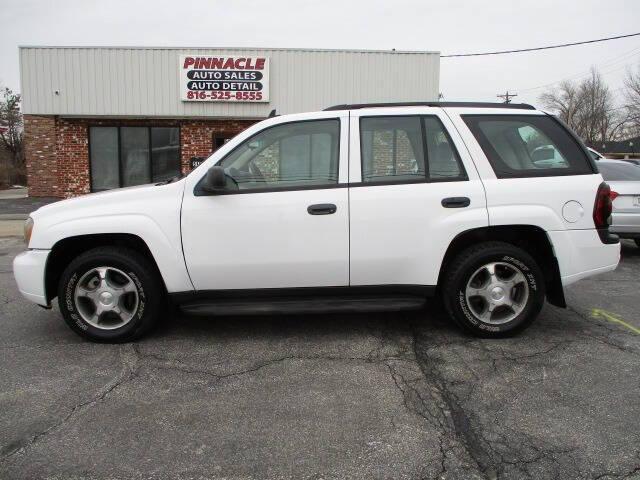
x=266 y=306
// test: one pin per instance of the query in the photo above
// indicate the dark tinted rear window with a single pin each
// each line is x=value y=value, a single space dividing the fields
x=528 y=146
x=619 y=172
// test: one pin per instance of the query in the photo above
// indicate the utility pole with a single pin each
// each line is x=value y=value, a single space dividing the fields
x=507 y=96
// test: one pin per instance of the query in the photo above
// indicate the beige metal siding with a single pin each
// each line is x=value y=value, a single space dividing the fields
x=117 y=81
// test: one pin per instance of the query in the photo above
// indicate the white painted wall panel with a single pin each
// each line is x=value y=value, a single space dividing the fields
x=141 y=81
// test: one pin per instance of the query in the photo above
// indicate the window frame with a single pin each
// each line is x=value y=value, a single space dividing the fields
x=118 y=126
x=198 y=191
x=485 y=145
x=463 y=177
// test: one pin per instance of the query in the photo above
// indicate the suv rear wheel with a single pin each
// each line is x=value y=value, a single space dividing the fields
x=493 y=289
x=110 y=295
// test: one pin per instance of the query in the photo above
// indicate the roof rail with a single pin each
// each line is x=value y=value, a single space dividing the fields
x=357 y=106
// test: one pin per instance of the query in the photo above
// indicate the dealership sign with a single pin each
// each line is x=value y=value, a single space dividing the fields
x=224 y=79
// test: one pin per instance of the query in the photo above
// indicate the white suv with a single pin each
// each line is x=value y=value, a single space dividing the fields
x=358 y=207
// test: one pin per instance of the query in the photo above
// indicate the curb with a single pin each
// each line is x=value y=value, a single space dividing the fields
x=13 y=216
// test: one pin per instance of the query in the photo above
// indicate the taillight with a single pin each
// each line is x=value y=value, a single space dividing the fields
x=602 y=213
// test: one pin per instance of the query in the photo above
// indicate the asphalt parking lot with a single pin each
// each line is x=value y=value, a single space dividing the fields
x=322 y=397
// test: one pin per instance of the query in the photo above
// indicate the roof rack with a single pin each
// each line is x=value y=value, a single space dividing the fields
x=357 y=106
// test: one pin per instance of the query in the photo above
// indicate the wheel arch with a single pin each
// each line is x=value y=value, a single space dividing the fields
x=66 y=249
x=534 y=240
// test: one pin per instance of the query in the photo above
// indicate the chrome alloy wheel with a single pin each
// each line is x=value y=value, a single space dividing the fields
x=106 y=298
x=497 y=293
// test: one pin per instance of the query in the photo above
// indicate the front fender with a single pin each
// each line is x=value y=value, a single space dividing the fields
x=164 y=245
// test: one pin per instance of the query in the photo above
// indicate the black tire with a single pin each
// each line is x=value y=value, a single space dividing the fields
x=461 y=270
x=141 y=270
x=637 y=240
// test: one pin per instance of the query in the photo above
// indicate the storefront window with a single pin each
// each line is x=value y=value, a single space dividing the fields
x=134 y=155
x=126 y=156
x=165 y=153
x=104 y=158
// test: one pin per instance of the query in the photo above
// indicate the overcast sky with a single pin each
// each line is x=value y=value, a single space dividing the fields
x=448 y=26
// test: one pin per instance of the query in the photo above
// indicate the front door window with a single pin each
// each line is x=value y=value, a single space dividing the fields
x=288 y=155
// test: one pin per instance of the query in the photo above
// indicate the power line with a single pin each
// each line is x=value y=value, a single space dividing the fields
x=621 y=58
x=502 y=52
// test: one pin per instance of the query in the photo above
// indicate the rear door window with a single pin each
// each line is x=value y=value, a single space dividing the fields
x=394 y=150
x=528 y=146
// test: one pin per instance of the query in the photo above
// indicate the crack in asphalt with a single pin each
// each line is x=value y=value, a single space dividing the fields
x=132 y=362
x=485 y=452
x=466 y=447
x=606 y=339
x=630 y=474
x=129 y=361
x=491 y=455
x=457 y=421
x=172 y=365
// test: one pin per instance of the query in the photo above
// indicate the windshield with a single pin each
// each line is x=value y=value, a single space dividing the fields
x=616 y=172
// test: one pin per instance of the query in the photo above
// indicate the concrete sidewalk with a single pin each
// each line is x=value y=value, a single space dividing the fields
x=11 y=193
x=15 y=207
x=11 y=228
x=15 y=204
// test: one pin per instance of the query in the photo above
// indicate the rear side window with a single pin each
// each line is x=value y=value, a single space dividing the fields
x=528 y=146
x=619 y=171
x=394 y=149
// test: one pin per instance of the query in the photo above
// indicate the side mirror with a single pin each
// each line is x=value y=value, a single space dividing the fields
x=215 y=180
x=543 y=153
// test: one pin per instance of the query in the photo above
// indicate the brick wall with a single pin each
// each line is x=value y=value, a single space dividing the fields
x=196 y=137
x=40 y=155
x=72 y=153
x=57 y=149
x=383 y=148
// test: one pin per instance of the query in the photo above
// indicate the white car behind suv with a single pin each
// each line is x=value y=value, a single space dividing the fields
x=358 y=207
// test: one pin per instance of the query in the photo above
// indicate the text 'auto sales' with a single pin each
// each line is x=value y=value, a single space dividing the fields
x=241 y=79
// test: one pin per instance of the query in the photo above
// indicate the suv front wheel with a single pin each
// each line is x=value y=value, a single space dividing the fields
x=110 y=295
x=493 y=289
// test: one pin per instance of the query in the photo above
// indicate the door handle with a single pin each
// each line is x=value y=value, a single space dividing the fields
x=322 y=209
x=456 y=202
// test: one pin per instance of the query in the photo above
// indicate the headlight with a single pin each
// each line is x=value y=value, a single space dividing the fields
x=28 y=228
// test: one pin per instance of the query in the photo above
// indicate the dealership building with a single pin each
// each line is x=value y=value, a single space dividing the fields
x=97 y=118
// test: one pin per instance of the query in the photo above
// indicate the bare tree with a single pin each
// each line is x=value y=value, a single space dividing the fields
x=11 y=132
x=563 y=101
x=632 y=98
x=588 y=108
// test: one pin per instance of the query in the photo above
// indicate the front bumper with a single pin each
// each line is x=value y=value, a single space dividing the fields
x=28 y=270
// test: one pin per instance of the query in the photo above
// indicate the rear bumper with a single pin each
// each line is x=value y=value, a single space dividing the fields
x=626 y=225
x=582 y=254
x=28 y=270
